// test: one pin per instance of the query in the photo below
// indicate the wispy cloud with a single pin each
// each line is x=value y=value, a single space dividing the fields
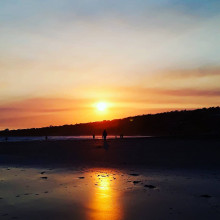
x=211 y=71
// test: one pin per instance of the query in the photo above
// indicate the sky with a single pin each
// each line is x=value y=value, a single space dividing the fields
x=58 y=59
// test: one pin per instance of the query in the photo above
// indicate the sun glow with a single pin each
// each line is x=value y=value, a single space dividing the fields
x=101 y=106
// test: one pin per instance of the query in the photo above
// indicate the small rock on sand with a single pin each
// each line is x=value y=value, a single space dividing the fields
x=44 y=177
x=81 y=177
x=205 y=196
x=150 y=186
x=26 y=194
x=136 y=182
x=134 y=174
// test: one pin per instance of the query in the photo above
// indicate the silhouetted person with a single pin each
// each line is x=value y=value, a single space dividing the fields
x=104 y=134
x=121 y=136
x=46 y=138
x=6 y=139
x=93 y=136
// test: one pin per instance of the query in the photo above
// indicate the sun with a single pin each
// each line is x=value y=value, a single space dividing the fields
x=101 y=106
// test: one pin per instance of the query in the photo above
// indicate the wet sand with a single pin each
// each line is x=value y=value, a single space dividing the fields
x=157 y=178
x=104 y=193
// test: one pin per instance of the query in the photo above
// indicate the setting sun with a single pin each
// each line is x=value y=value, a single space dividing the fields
x=101 y=106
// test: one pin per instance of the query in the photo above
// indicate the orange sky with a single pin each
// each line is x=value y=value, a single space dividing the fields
x=58 y=59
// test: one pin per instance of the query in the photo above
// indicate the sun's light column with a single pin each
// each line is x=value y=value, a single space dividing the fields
x=104 y=203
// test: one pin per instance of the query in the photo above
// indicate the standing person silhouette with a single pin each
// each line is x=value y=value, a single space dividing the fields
x=104 y=134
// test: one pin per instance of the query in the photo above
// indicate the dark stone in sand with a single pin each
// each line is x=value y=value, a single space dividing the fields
x=43 y=172
x=1 y=198
x=134 y=174
x=150 y=186
x=205 y=196
x=81 y=177
x=44 y=177
x=5 y=215
x=136 y=182
x=46 y=192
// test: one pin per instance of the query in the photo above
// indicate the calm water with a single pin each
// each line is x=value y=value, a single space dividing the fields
x=41 y=138
x=105 y=193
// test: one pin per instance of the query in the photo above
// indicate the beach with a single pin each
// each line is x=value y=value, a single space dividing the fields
x=144 y=178
x=163 y=152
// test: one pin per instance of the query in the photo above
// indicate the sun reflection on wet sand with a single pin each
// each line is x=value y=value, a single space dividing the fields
x=104 y=202
x=103 y=194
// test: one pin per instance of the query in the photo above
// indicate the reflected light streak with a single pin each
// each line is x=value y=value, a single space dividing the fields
x=104 y=203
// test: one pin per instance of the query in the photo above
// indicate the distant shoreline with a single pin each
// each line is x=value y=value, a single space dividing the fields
x=63 y=138
x=98 y=137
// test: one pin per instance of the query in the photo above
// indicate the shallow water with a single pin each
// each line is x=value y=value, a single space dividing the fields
x=105 y=193
x=54 y=138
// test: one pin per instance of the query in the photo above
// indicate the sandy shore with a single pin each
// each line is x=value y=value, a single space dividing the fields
x=148 y=152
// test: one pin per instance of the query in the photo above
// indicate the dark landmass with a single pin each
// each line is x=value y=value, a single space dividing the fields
x=163 y=152
x=204 y=121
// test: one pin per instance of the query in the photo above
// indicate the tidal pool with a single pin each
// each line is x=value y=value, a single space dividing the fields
x=108 y=193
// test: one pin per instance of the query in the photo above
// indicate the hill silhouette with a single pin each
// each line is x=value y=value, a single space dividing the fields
x=204 y=121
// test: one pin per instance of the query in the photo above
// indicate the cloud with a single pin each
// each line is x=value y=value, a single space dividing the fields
x=189 y=92
x=211 y=71
x=15 y=110
x=39 y=105
x=142 y=93
x=37 y=112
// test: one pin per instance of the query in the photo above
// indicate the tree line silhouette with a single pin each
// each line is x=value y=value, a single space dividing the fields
x=205 y=121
